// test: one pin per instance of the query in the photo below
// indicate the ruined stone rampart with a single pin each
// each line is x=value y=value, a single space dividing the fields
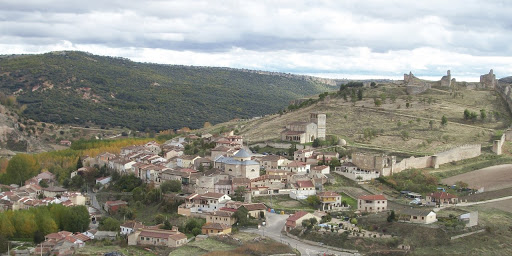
x=489 y=80
x=497 y=145
x=415 y=85
x=456 y=154
x=387 y=165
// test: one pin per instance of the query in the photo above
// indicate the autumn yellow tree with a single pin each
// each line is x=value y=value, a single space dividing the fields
x=21 y=167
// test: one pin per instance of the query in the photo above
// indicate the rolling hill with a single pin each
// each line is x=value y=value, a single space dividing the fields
x=84 y=89
x=410 y=124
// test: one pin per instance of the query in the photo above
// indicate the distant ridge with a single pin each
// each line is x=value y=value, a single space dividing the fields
x=70 y=87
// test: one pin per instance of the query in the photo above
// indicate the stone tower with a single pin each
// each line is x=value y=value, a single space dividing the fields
x=320 y=120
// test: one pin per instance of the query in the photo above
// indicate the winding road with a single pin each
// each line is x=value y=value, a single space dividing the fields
x=275 y=223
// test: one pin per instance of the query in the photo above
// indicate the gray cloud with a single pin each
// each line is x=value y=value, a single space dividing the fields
x=285 y=36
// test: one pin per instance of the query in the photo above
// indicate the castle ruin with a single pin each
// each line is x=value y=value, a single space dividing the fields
x=446 y=81
x=488 y=80
x=415 y=85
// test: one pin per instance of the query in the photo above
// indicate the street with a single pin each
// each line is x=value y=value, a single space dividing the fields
x=275 y=223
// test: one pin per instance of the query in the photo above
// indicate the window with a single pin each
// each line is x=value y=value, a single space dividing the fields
x=141 y=238
x=414 y=217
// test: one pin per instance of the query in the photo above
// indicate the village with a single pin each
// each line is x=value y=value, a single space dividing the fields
x=232 y=189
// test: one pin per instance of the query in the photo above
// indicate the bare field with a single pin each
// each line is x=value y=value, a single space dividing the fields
x=505 y=205
x=491 y=178
x=399 y=128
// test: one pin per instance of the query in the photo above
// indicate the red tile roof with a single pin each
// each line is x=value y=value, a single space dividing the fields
x=328 y=193
x=372 y=197
x=255 y=207
x=218 y=226
x=296 y=216
x=305 y=184
x=178 y=236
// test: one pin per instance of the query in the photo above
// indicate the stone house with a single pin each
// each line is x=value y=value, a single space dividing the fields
x=186 y=161
x=255 y=209
x=157 y=237
x=215 y=229
x=298 y=167
x=413 y=215
x=208 y=202
x=296 y=219
x=113 y=206
x=272 y=161
x=302 y=155
x=329 y=201
x=222 y=217
x=53 y=191
x=372 y=203
x=129 y=227
x=440 y=198
x=223 y=187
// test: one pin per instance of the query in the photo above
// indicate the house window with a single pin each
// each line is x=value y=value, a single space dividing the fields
x=414 y=217
x=141 y=238
x=147 y=238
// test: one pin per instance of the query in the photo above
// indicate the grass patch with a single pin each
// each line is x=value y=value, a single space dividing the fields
x=284 y=203
x=350 y=201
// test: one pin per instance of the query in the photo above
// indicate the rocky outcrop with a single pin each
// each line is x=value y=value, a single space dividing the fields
x=488 y=80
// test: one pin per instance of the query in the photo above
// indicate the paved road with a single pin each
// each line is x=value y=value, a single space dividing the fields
x=275 y=223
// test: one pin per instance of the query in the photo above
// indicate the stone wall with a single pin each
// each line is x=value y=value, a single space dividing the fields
x=387 y=165
x=456 y=154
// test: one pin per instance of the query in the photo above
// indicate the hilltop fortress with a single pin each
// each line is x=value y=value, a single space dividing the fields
x=415 y=85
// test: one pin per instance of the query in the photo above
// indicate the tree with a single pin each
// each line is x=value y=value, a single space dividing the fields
x=353 y=221
x=170 y=186
x=461 y=184
x=391 y=216
x=377 y=102
x=316 y=143
x=109 y=224
x=138 y=194
x=431 y=124
x=444 y=120
x=196 y=231
x=6 y=227
x=43 y=184
x=239 y=194
x=313 y=201
x=483 y=115
x=313 y=221
x=159 y=219
x=373 y=84
x=79 y=163
x=21 y=167
x=292 y=149
x=466 y=114
x=38 y=237
x=241 y=216
x=360 y=94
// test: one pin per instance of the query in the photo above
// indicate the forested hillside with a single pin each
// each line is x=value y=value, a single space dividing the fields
x=80 y=88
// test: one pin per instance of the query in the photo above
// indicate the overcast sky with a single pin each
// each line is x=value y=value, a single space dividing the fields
x=325 y=38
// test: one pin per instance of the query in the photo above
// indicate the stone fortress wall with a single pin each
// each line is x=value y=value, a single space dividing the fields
x=387 y=165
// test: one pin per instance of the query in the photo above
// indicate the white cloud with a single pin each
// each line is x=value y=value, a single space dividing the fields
x=368 y=38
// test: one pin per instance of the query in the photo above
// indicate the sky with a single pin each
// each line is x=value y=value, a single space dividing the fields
x=335 y=39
